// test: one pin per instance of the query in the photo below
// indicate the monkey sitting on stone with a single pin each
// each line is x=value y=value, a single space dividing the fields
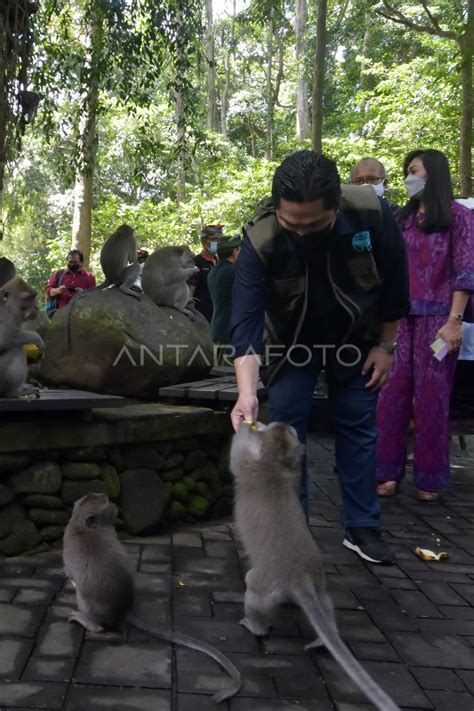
x=165 y=276
x=118 y=259
x=17 y=304
x=285 y=562
x=96 y=563
x=7 y=270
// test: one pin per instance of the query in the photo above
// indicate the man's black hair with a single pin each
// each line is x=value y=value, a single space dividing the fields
x=437 y=195
x=306 y=176
x=73 y=252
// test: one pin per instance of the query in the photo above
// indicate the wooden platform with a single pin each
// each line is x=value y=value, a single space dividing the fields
x=223 y=388
x=59 y=400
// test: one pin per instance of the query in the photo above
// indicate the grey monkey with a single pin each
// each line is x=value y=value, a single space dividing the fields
x=96 y=562
x=7 y=270
x=164 y=278
x=118 y=259
x=286 y=565
x=17 y=304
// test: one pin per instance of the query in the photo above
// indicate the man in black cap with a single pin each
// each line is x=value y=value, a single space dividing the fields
x=220 y=282
x=206 y=261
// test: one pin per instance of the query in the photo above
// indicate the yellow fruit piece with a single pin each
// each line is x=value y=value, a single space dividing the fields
x=425 y=554
x=32 y=351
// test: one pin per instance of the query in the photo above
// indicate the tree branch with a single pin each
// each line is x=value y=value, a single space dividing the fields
x=433 y=29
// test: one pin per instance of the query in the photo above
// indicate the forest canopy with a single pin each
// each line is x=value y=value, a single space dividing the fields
x=172 y=115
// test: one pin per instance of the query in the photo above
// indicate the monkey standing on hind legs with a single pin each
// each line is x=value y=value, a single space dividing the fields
x=17 y=304
x=286 y=564
x=96 y=563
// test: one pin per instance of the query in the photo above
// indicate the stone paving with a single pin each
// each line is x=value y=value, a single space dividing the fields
x=411 y=625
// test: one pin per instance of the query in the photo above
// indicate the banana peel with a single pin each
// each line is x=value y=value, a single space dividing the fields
x=426 y=554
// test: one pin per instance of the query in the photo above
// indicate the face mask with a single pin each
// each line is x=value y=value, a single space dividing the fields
x=414 y=185
x=213 y=247
x=379 y=188
x=74 y=267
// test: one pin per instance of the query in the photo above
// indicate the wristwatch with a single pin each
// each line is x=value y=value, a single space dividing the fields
x=390 y=348
x=458 y=317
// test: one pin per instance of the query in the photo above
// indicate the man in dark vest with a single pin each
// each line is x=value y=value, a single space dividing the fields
x=220 y=282
x=325 y=272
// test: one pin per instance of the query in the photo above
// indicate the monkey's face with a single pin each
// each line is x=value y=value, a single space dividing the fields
x=22 y=296
x=276 y=444
x=94 y=511
x=186 y=258
x=280 y=442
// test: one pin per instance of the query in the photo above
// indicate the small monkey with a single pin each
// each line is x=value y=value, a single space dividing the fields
x=286 y=564
x=118 y=259
x=17 y=304
x=165 y=276
x=7 y=270
x=96 y=562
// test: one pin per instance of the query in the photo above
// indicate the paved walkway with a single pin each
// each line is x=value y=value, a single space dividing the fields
x=412 y=625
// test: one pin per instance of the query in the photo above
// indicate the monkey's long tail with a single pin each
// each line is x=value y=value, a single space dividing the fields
x=309 y=602
x=199 y=646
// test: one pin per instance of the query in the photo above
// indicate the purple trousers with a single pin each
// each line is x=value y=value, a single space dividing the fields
x=419 y=389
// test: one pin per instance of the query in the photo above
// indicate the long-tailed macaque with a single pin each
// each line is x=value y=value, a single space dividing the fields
x=285 y=562
x=17 y=304
x=165 y=276
x=96 y=562
x=118 y=259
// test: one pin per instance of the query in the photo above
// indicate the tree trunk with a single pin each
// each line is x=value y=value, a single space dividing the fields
x=318 y=76
x=180 y=112
x=466 y=44
x=301 y=91
x=87 y=140
x=269 y=91
x=227 y=68
x=211 y=70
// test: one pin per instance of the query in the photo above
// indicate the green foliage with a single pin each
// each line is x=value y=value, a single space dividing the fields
x=388 y=90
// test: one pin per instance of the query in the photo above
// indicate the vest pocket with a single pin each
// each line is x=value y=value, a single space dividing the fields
x=285 y=294
x=363 y=271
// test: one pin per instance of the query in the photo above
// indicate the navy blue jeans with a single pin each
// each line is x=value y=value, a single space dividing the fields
x=290 y=400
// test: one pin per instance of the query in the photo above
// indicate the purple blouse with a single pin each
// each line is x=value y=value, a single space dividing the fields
x=440 y=262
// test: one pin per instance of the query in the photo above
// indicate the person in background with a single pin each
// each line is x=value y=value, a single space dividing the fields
x=220 y=282
x=66 y=283
x=439 y=237
x=205 y=260
x=370 y=171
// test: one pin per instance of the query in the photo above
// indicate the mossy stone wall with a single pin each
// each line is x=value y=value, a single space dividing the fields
x=160 y=464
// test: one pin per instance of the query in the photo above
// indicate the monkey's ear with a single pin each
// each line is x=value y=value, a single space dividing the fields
x=91 y=521
x=4 y=296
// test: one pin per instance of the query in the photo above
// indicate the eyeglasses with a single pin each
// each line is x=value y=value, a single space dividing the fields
x=371 y=179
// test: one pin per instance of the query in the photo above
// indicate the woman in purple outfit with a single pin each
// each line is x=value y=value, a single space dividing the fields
x=439 y=235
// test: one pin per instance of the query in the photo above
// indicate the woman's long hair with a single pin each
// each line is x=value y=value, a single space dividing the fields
x=438 y=192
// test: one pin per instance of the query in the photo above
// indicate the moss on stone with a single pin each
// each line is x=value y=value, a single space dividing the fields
x=190 y=484
x=180 y=492
x=198 y=506
x=176 y=511
x=204 y=490
x=111 y=479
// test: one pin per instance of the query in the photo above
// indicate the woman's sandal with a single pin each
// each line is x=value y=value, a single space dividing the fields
x=427 y=495
x=387 y=488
